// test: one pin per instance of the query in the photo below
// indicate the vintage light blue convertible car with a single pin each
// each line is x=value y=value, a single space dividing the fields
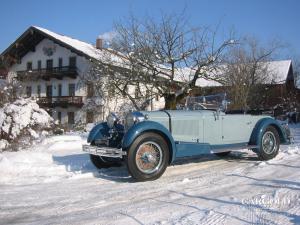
x=149 y=141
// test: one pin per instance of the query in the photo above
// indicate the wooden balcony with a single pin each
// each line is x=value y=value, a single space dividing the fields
x=46 y=74
x=60 y=101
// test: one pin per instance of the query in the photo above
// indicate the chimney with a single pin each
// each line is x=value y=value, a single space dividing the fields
x=99 y=43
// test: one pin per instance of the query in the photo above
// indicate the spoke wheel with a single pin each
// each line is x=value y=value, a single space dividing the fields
x=269 y=144
x=147 y=157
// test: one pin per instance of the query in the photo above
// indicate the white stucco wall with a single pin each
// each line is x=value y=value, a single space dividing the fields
x=60 y=52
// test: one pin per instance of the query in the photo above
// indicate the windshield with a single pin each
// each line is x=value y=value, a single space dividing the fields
x=212 y=102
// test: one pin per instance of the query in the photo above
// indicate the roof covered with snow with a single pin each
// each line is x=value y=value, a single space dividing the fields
x=278 y=74
x=86 y=48
x=279 y=70
x=34 y=34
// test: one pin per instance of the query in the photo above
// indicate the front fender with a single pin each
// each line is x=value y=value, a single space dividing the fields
x=260 y=128
x=98 y=131
x=149 y=126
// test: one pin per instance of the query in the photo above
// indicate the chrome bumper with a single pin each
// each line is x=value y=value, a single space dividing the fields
x=103 y=151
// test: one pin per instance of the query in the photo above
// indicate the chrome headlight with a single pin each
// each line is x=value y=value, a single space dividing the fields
x=111 y=120
x=133 y=118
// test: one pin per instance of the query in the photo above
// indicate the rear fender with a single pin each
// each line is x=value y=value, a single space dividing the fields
x=260 y=128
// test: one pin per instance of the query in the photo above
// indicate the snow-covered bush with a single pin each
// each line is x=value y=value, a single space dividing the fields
x=8 y=91
x=21 y=122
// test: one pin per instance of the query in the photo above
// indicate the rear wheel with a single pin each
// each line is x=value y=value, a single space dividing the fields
x=269 y=144
x=148 y=157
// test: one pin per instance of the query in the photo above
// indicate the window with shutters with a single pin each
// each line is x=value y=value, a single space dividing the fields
x=28 y=91
x=89 y=116
x=59 y=117
x=90 y=90
x=29 y=65
x=71 y=89
x=60 y=63
x=39 y=90
x=39 y=64
x=49 y=64
x=49 y=91
x=71 y=119
x=59 y=90
x=72 y=61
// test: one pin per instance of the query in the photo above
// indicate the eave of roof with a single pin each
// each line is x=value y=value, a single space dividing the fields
x=79 y=47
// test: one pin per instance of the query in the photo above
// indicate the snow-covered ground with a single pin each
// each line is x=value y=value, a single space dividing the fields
x=55 y=183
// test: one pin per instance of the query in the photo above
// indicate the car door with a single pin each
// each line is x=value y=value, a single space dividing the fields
x=236 y=128
x=212 y=128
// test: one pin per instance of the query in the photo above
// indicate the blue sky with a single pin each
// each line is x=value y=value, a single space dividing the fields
x=86 y=19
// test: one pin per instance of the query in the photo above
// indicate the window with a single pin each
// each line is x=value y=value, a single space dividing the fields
x=39 y=90
x=49 y=64
x=71 y=89
x=29 y=65
x=90 y=90
x=28 y=91
x=60 y=63
x=59 y=117
x=49 y=91
x=72 y=61
x=59 y=90
x=89 y=117
x=39 y=65
x=71 y=118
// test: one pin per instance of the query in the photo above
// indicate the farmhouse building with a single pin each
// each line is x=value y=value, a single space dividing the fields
x=50 y=67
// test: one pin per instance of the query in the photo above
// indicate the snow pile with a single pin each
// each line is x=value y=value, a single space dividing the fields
x=28 y=167
x=3 y=144
x=46 y=162
x=22 y=118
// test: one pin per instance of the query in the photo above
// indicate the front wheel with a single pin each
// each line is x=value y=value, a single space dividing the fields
x=269 y=144
x=148 y=157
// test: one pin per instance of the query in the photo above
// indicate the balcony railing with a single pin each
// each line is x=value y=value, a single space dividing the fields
x=47 y=74
x=60 y=101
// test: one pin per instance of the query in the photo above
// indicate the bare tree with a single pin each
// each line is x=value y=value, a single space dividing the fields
x=246 y=72
x=294 y=91
x=109 y=83
x=297 y=72
x=163 y=57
